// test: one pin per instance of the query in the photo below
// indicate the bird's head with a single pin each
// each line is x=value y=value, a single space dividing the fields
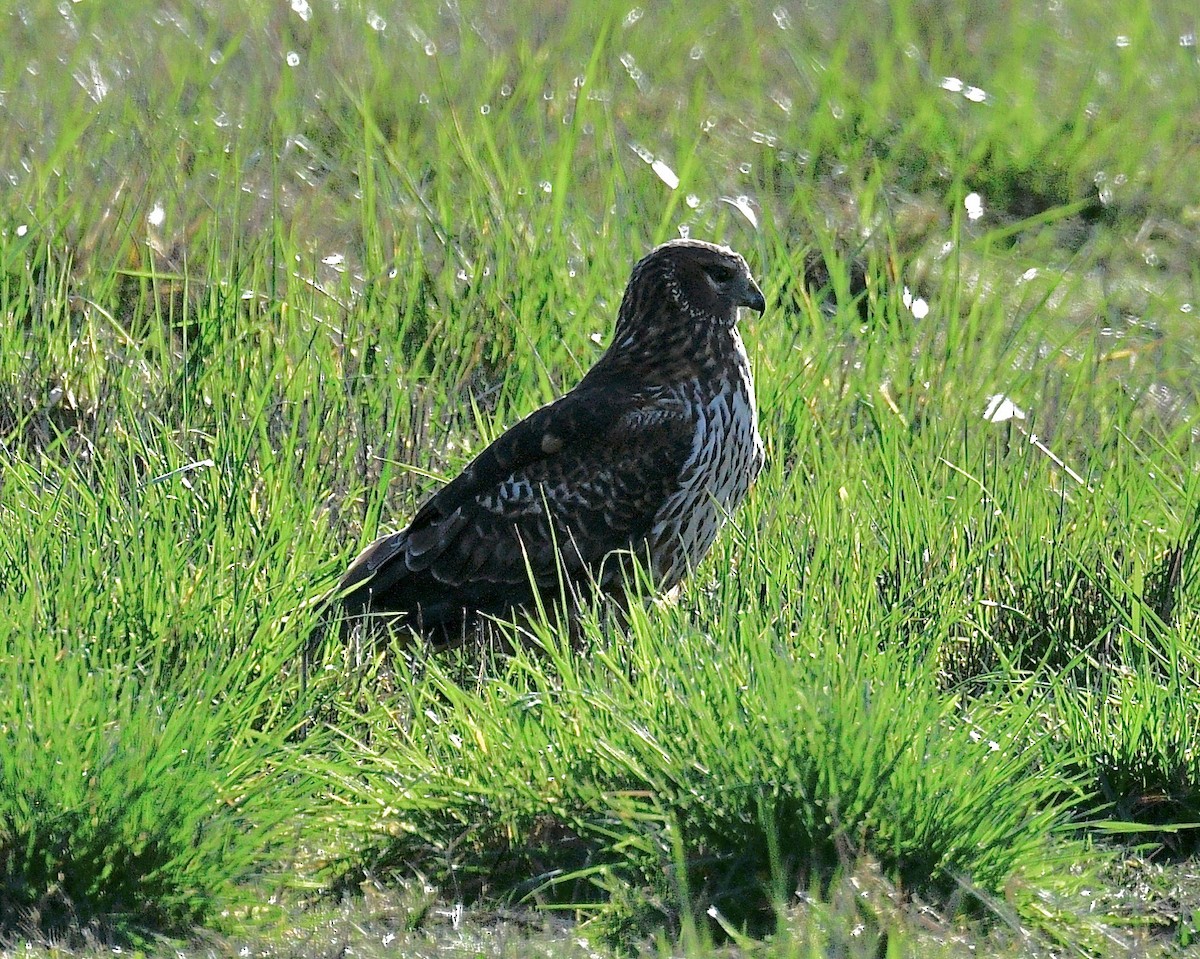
x=689 y=282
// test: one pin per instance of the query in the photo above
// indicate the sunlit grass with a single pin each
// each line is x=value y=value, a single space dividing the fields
x=267 y=272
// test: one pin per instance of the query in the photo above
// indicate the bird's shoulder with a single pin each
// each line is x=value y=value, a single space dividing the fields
x=601 y=421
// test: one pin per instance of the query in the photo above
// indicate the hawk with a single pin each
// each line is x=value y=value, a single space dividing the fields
x=645 y=459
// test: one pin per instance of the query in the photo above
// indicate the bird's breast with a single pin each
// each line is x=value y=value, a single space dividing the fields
x=726 y=456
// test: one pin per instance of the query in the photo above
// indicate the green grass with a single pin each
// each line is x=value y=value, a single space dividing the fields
x=267 y=274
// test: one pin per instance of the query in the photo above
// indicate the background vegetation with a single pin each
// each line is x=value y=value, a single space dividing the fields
x=268 y=273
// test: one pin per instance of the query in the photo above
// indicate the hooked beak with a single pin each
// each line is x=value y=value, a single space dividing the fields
x=752 y=297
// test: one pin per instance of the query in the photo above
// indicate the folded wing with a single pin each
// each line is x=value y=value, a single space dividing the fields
x=546 y=502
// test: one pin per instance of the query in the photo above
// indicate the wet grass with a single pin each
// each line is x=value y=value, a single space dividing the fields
x=268 y=273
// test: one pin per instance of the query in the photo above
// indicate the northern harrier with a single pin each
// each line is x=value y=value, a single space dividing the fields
x=646 y=456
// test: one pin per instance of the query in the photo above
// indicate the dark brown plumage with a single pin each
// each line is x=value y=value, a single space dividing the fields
x=648 y=454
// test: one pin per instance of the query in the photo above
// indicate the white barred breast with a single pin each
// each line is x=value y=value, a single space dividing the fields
x=727 y=455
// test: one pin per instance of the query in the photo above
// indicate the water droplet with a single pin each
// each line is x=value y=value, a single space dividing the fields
x=93 y=82
x=635 y=72
x=742 y=205
x=293 y=58
x=1000 y=409
x=915 y=304
x=665 y=173
x=642 y=152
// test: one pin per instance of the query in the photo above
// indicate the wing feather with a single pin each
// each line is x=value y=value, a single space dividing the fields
x=563 y=488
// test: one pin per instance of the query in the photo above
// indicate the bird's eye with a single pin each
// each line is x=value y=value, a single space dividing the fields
x=722 y=273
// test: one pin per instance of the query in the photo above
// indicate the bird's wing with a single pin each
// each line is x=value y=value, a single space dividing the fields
x=556 y=493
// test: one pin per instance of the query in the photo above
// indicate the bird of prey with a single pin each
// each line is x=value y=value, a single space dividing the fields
x=644 y=459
